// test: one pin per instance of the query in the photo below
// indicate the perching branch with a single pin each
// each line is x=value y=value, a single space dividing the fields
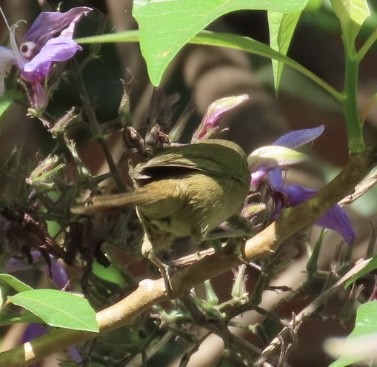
x=151 y=292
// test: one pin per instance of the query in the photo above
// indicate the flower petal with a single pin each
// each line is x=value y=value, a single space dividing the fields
x=275 y=179
x=48 y=24
x=297 y=194
x=335 y=218
x=56 y=49
x=297 y=138
x=256 y=179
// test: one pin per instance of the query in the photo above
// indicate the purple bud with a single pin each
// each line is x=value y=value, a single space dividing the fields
x=215 y=111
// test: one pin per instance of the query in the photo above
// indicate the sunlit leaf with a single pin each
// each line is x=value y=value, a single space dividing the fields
x=167 y=25
x=368 y=268
x=281 y=27
x=361 y=343
x=352 y=15
x=57 y=308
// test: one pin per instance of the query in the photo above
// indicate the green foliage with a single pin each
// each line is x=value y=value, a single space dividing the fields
x=369 y=267
x=15 y=283
x=26 y=317
x=282 y=27
x=352 y=15
x=365 y=331
x=58 y=309
x=166 y=26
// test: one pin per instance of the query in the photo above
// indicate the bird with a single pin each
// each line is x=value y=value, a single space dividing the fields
x=185 y=190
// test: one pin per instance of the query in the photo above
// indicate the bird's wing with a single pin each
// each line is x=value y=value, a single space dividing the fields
x=184 y=159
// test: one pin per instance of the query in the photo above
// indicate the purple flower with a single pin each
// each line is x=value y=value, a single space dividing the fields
x=291 y=195
x=285 y=196
x=33 y=331
x=48 y=41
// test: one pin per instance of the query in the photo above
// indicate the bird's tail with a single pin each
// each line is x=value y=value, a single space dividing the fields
x=102 y=203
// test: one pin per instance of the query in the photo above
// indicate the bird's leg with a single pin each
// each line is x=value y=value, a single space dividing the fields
x=165 y=270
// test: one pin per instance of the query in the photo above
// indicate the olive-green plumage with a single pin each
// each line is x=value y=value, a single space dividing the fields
x=183 y=191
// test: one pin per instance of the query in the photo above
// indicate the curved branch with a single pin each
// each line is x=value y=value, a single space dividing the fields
x=151 y=292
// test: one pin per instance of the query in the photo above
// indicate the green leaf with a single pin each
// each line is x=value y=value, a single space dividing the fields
x=352 y=15
x=14 y=283
x=314 y=5
x=368 y=268
x=167 y=25
x=366 y=319
x=57 y=308
x=108 y=273
x=281 y=27
x=361 y=343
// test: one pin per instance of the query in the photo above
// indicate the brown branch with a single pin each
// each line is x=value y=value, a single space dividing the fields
x=151 y=292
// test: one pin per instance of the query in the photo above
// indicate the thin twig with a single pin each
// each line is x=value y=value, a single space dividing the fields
x=288 y=331
x=96 y=131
